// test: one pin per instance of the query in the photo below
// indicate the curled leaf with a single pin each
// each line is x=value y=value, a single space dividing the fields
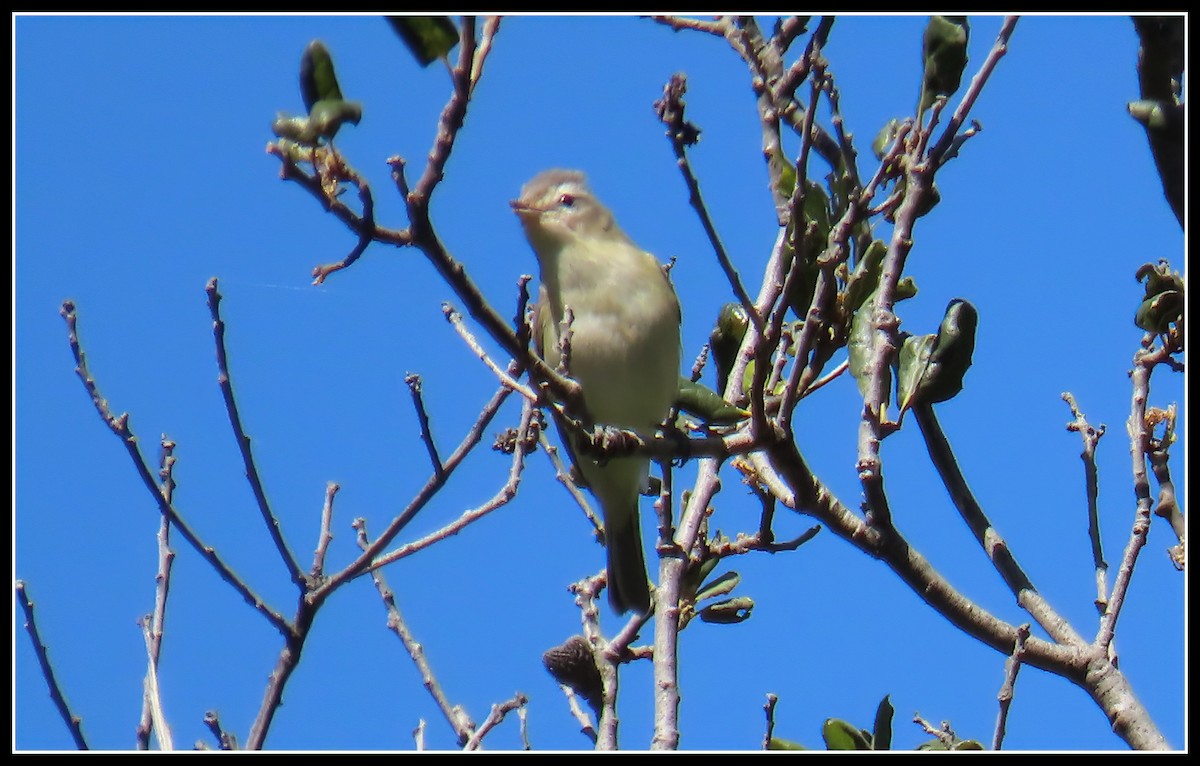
x=721 y=586
x=843 y=735
x=428 y=38
x=726 y=339
x=778 y=743
x=943 y=56
x=317 y=79
x=1162 y=304
x=881 y=734
x=728 y=612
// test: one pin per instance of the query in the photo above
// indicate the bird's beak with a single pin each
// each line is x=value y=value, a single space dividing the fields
x=524 y=210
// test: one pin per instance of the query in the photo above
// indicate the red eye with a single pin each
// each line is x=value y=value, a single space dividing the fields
x=567 y=200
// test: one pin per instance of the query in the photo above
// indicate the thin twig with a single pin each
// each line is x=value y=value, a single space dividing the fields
x=119 y=425
x=459 y=721
x=295 y=573
x=563 y=474
x=504 y=495
x=1011 y=667
x=74 y=723
x=769 y=709
x=362 y=564
x=586 y=727
x=325 y=536
x=680 y=23
x=152 y=696
x=225 y=740
x=455 y=320
x=1144 y=362
x=413 y=381
x=938 y=155
x=366 y=234
x=680 y=133
x=1091 y=438
x=156 y=621
x=497 y=714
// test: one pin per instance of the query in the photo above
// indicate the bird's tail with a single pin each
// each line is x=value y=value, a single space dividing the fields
x=628 y=585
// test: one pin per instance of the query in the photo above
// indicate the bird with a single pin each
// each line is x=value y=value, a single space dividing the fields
x=624 y=349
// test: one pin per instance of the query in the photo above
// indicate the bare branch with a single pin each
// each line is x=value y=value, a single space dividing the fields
x=505 y=494
x=413 y=381
x=119 y=425
x=150 y=691
x=74 y=723
x=458 y=719
x=325 y=536
x=156 y=621
x=682 y=134
x=497 y=714
x=295 y=573
x=1091 y=438
x=938 y=155
x=1011 y=667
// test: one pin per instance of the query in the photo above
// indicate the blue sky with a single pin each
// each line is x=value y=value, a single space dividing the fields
x=140 y=172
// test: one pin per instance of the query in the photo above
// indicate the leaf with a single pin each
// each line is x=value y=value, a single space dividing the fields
x=943 y=58
x=695 y=575
x=906 y=288
x=952 y=352
x=859 y=347
x=777 y=743
x=866 y=276
x=721 y=586
x=881 y=734
x=701 y=401
x=726 y=338
x=428 y=38
x=728 y=612
x=842 y=735
x=930 y=368
x=317 y=79
x=785 y=171
x=884 y=138
x=912 y=361
x=1163 y=302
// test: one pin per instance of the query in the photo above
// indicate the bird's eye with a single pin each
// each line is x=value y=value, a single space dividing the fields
x=567 y=200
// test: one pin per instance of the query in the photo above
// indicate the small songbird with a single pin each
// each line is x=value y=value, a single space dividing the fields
x=624 y=348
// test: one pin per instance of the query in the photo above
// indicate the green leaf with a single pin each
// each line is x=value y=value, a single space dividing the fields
x=701 y=401
x=906 y=288
x=952 y=352
x=695 y=575
x=866 y=276
x=1163 y=302
x=943 y=57
x=721 y=586
x=726 y=339
x=777 y=743
x=782 y=168
x=317 y=79
x=842 y=735
x=881 y=735
x=1158 y=116
x=967 y=744
x=429 y=38
x=859 y=347
x=884 y=138
x=930 y=368
x=728 y=612
x=911 y=363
